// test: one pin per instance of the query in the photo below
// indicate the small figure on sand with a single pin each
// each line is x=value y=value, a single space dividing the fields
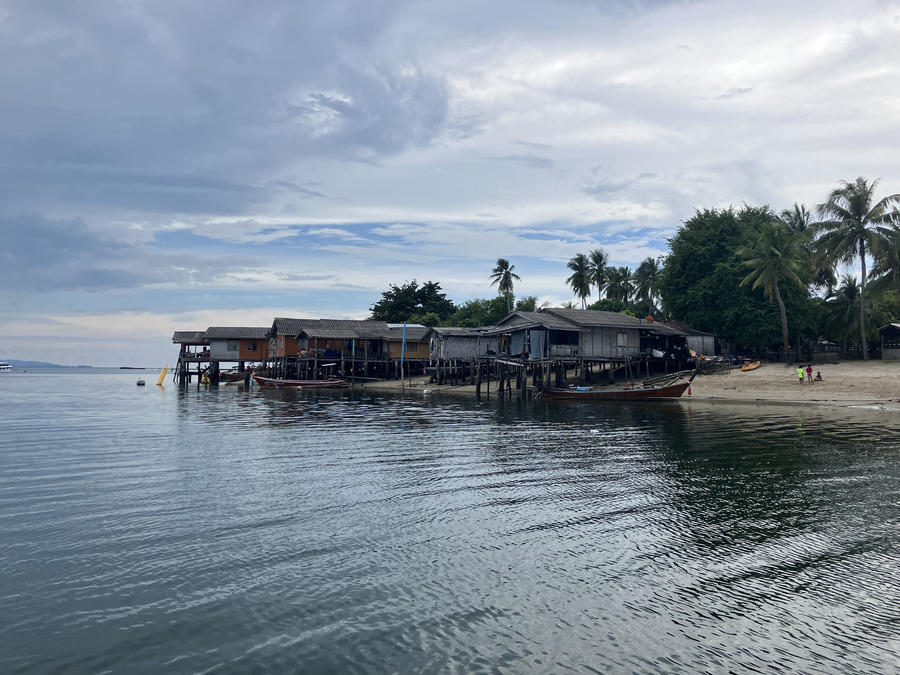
x=818 y=376
x=809 y=373
x=800 y=374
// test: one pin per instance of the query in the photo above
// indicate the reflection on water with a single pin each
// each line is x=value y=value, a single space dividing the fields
x=187 y=530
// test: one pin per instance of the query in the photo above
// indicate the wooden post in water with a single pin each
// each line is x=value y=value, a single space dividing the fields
x=477 y=380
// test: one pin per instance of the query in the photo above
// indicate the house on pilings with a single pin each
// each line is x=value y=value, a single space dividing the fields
x=455 y=353
x=193 y=355
x=316 y=348
x=240 y=345
x=624 y=346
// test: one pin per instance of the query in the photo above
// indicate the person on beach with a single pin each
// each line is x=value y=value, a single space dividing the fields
x=800 y=373
x=818 y=376
x=809 y=373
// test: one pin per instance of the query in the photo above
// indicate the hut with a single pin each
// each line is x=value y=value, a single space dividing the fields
x=193 y=355
x=454 y=352
x=890 y=342
x=236 y=345
x=283 y=350
x=354 y=348
x=701 y=343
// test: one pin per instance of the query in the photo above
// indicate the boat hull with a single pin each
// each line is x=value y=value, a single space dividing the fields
x=302 y=384
x=648 y=393
x=750 y=366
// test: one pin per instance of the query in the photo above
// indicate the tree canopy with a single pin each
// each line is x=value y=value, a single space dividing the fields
x=412 y=302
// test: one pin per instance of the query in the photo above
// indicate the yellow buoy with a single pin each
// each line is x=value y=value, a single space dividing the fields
x=162 y=376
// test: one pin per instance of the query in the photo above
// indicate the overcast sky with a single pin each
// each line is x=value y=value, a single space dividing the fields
x=173 y=164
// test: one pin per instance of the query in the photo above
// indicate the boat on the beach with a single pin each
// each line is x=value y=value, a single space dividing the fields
x=308 y=384
x=750 y=366
x=669 y=386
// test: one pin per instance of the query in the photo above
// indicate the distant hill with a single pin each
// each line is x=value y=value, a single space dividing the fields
x=38 y=364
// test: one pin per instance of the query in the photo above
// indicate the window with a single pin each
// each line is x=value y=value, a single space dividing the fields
x=412 y=347
x=621 y=339
x=252 y=346
x=232 y=346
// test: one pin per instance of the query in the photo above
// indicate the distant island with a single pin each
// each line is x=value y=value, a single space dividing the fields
x=38 y=364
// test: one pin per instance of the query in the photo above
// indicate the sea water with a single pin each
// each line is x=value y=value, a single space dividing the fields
x=222 y=530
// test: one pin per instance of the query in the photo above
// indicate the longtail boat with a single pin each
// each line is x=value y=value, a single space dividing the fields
x=664 y=387
x=310 y=384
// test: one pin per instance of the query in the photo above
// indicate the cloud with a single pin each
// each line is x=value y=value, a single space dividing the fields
x=530 y=161
x=42 y=255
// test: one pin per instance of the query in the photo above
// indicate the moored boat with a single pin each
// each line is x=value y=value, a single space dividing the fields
x=5 y=367
x=750 y=366
x=667 y=386
x=318 y=384
x=640 y=393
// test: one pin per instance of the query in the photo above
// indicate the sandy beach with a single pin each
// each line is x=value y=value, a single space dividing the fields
x=854 y=383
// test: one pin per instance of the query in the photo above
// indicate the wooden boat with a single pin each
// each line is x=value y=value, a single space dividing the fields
x=640 y=393
x=318 y=384
x=672 y=385
x=232 y=376
x=750 y=366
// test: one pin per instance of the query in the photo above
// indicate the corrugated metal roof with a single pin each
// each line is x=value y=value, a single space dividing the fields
x=542 y=318
x=454 y=331
x=189 y=337
x=591 y=318
x=236 y=333
x=412 y=333
x=343 y=329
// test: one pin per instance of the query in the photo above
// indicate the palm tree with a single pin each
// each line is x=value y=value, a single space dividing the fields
x=620 y=283
x=503 y=276
x=799 y=221
x=885 y=271
x=599 y=260
x=797 y=218
x=842 y=315
x=778 y=254
x=646 y=277
x=854 y=228
x=581 y=278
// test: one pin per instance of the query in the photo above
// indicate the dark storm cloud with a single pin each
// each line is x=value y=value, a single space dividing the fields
x=41 y=255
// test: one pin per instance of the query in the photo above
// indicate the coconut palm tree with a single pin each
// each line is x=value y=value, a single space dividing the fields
x=842 y=315
x=853 y=228
x=778 y=254
x=502 y=276
x=799 y=221
x=582 y=276
x=646 y=277
x=599 y=260
x=620 y=283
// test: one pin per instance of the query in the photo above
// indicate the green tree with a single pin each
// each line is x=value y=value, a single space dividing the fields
x=779 y=254
x=527 y=304
x=502 y=276
x=479 y=312
x=853 y=227
x=619 y=284
x=582 y=277
x=401 y=303
x=842 y=312
x=646 y=279
x=609 y=305
x=700 y=283
x=598 y=260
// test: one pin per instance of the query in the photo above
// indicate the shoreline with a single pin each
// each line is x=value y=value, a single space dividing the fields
x=873 y=385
